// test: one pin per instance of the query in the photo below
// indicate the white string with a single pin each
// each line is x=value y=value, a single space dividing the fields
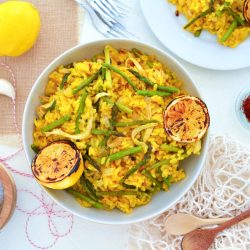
x=222 y=190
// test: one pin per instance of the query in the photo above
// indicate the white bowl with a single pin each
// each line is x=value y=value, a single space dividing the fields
x=160 y=201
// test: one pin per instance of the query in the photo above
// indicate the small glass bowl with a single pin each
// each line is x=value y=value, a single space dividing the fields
x=238 y=108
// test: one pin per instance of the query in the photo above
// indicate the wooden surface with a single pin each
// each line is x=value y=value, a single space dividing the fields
x=9 y=198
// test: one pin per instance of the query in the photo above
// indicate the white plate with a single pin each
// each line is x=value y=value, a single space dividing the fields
x=203 y=51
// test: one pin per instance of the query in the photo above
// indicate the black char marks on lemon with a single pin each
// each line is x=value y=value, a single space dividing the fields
x=56 y=161
x=186 y=119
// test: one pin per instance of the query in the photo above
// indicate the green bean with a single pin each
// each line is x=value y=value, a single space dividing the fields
x=106 y=132
x=222 y=7
x=103 y=73
x=211 y=5
x=235 y=16
x=35 y=148
x=170 y=89
x=101 y=132
x=201 y=15
x=84 y=197
x=158 y=164
x=123 y=108
x=218 y=13
x=119 y=105
x=64 y=80
x=170 y=148
x=150 y=83
x=125 y=152
x=108 y=77
x=229 y=31
x=121 y=73
x=87 y=82
x=56 y=123
x=103 y=143
x=152 y=93
x=87 y=185
x=91 y=188
x=168 y=180
x=151 y=178
x=117 y=193
x=80 y=110
x=137 y=52
x=134 y=123
x=108 y=101
x=92 y=162
x=87 y=188
x=197 y=33
x=145 y=159
x=114 y=113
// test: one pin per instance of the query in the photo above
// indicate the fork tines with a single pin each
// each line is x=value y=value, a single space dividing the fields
x=105 y=15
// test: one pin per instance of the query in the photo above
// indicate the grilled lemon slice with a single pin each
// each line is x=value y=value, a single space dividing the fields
x=186 y=119
x=246 y=10
x=59 y=165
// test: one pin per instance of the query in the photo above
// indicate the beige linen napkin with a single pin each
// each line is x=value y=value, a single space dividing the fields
x=59 y=32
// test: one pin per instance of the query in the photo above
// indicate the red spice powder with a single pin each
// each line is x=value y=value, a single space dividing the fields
x=246 y=107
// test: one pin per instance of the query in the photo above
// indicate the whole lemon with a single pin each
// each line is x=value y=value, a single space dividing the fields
x=19 y=27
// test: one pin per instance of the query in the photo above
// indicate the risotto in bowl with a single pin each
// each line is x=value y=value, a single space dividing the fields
x=115 y=131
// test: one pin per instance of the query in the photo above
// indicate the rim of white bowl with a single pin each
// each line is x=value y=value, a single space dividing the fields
x=110 y=40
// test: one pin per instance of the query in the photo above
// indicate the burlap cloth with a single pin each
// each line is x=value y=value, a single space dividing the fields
x=59 y=31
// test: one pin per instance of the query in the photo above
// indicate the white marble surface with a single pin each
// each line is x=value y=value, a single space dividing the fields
x=219 y=90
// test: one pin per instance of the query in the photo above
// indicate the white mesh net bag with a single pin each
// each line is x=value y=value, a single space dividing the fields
x=222 y=190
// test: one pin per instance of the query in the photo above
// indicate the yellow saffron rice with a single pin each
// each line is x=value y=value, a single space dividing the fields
x=97 y=115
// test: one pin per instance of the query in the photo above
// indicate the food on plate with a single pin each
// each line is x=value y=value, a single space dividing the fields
x=19 y=27
x=186 y=119
x=58 y=165
x=224 y=19
x=111 y=107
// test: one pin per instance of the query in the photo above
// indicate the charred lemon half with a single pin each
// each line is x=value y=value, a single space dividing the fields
x=246 y=10
x=186 y=119
x=59 y=165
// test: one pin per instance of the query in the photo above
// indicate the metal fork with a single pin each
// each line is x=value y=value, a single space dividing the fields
x=105 y=15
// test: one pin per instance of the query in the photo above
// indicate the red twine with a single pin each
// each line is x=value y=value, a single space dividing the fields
x=45 y=208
